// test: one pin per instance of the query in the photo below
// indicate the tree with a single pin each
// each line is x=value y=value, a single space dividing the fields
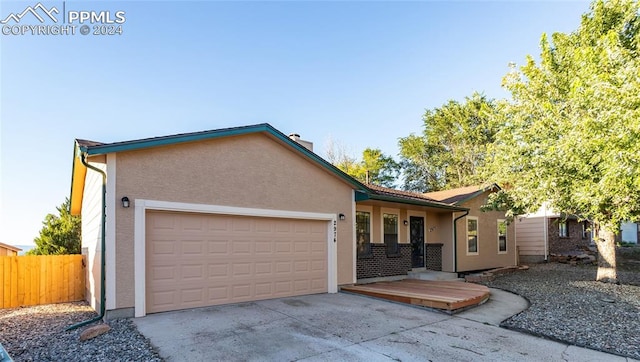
x=338 y=156
x=375 y=167
x=60 y=234
x=452 y=146
x=571 y=132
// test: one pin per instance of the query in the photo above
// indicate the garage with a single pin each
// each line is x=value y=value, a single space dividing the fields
x=199 y=259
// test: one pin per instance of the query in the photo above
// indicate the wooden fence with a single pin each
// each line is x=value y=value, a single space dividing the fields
x=41 y=279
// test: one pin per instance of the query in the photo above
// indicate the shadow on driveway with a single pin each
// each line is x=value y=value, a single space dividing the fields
x=344 y=327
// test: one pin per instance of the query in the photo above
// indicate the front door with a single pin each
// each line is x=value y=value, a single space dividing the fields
x=416 y=230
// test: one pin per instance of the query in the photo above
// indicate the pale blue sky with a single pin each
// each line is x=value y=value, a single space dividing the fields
x=361 y=73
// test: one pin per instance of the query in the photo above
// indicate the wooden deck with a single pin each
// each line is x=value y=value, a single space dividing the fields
x=449 y=296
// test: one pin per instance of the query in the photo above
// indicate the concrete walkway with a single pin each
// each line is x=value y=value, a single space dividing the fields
x=345 y=327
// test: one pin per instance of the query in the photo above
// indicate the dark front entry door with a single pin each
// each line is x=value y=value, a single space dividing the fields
x=416 y=231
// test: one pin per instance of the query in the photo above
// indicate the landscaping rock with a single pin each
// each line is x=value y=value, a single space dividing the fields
x=94 y=331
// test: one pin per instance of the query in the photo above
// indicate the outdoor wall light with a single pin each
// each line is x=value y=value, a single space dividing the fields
x=341 y=216
x=405 y=223
x=125 y=202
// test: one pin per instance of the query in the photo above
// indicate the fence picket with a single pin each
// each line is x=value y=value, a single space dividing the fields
x=40 y=279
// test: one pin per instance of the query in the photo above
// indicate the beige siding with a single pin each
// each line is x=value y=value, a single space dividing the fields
x=487 y=256
x=531 y=236
x=92 y=230
x=249 y=171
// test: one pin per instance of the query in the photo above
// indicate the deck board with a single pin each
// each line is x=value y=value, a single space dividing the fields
x=445 y=295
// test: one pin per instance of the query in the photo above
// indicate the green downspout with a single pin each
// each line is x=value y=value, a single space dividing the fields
x=102 y=246
x=455 y=241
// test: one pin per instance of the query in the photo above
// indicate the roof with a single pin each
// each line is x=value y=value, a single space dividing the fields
x=10 y=247
x=91 y=148
x=407 y=197
x=85 y=148
x=461 y=194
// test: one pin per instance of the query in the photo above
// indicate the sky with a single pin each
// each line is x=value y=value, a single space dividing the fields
x=359 y=73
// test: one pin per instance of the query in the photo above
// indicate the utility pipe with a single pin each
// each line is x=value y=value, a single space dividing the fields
x=102 y=246
x=455 y=241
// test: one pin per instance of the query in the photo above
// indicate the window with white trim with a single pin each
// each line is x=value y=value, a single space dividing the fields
x=502 y=236
x=563 y=231
x=472 y=235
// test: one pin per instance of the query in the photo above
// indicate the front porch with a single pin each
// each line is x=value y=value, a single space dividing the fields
x=448 y=296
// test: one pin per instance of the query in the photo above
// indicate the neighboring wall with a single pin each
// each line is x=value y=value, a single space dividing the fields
x=488 y=256
x=574 y=241
x=530 y=235
x=7 y=252
x=92 y=230
x=251 y=171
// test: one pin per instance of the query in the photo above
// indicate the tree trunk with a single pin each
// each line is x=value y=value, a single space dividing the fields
x=607 y=268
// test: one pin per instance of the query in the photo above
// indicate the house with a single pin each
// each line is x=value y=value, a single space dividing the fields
x=8 y=250
x=397 y=231
x=241 y=214
x=484 y=239
x=629 y=233
x=548 y=232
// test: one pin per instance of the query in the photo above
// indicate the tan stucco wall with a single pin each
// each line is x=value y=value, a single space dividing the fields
x=488 y=256
x=252 y=171
x=441 y=226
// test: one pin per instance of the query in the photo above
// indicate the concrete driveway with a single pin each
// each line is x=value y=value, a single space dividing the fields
x=345 y=327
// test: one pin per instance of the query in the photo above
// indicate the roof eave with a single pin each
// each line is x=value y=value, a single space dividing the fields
x=478 y=193
x=415 y=202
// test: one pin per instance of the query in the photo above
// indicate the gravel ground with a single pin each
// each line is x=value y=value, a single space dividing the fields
x=568 y=305
x=38 y=334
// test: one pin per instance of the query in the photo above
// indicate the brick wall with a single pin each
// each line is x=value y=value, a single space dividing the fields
x=573 y=242
x=434 y=257
x=378 y=264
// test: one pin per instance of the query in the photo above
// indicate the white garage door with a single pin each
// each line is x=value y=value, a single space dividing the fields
x=196 y=260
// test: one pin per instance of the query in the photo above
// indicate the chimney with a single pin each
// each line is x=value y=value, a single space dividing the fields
x=306 y=144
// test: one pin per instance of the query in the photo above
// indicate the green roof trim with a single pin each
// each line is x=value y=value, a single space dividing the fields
x=361 y=196
x=415 y=202
x=218 y=133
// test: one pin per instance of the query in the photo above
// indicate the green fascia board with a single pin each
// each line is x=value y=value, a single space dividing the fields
x=415 y=202
x=213 y=134
x=361 y=196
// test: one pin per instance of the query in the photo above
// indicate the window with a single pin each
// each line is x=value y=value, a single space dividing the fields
x=472 y=236
x=585 y=230
x=363 y=233
x=563 y=232
x=390 y=228
x=502 y=236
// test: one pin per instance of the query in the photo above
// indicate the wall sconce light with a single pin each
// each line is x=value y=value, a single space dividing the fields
x=405 y=223
x=341 y=217
x=125 y=202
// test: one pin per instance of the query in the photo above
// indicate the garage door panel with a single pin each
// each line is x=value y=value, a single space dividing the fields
x=196 y=260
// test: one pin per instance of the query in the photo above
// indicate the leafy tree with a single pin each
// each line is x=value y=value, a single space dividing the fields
x=452 y=146
x=375 y=167
x=571 y=134
x=59 y=235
